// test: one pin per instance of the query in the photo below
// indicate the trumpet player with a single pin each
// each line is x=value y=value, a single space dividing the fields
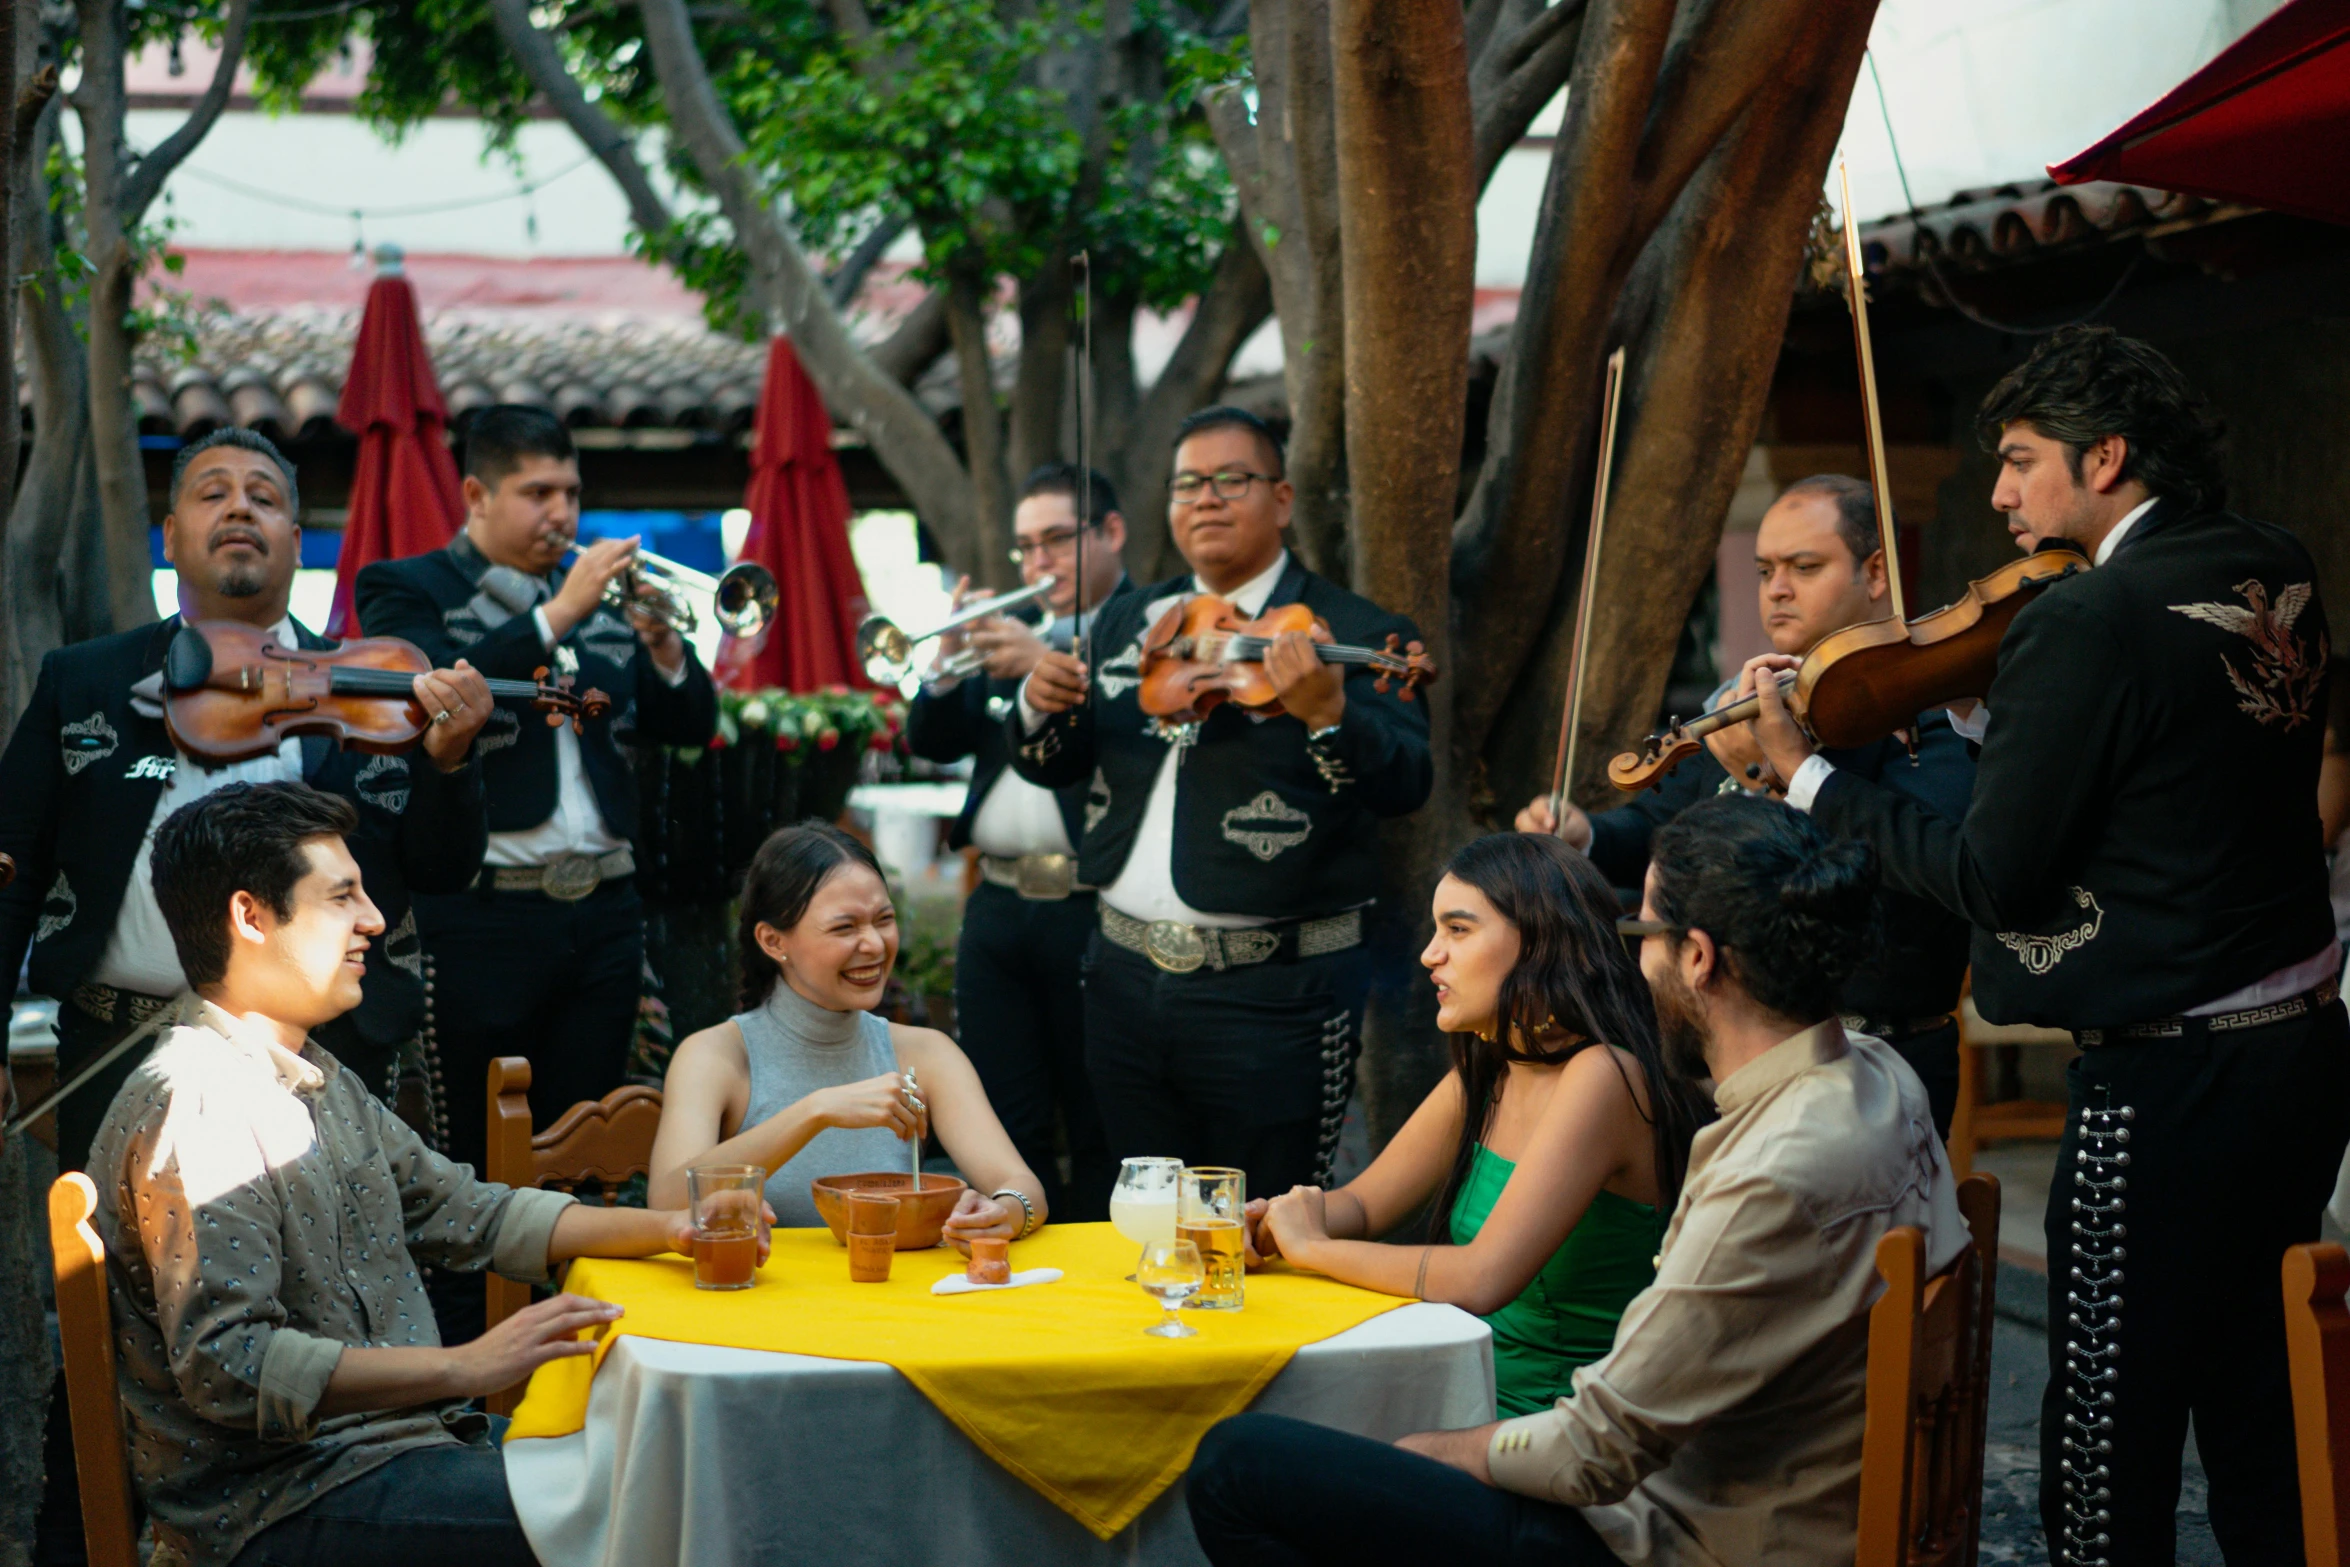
x=1017 y=996
x=544 y=955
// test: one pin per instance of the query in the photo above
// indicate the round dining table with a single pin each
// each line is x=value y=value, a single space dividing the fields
x=723 y=1457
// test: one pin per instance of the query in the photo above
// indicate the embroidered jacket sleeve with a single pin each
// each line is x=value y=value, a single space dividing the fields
x=684 y=713
x=392 y=604
x=1743 y=1278
x=2063 y=709
x=441 y=830
x=1059 y=751
x=31 y=776
x=944 y=724
x=1380 y=750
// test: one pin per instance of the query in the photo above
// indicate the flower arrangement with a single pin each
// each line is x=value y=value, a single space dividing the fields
x=796 y=722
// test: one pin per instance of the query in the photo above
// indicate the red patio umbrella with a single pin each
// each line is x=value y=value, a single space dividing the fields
x=404 y=494
x=799 y=531
x=2267 y=122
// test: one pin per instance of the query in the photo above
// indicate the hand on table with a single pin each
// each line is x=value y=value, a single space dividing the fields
x=1297 y=1221
x=518 y=1346
x=877 y=1101
x=978 y=1217
x=678 y=1223
x=1257 y=1246
x=460 y=692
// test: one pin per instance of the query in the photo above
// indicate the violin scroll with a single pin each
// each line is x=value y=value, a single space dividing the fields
x=556 y=699
x=1408 y=663
x=1657 y=756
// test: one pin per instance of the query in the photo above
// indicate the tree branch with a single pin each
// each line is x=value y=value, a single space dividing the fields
x=1518 y=76
x=1711 y=74
x=542 y=64
x=850 y=275
x=917 y=341
x=897 y=428
x=144 y=182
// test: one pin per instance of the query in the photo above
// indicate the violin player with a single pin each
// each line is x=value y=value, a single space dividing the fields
x=90 y=772
x=2141 y=866
x=1019 y=998
x=1235 y=856
x=1820 y=568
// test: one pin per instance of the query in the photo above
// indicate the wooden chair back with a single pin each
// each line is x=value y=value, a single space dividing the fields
x=85 y=1325
x=593 y=1149
x=1929 y=1393
x=2317 y=1346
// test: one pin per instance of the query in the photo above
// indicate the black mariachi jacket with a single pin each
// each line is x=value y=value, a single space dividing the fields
x=429 y=600
x=78 y=785
x=1918 y=970
x=2143 y=838
x=946 y=726
x=1264 y=824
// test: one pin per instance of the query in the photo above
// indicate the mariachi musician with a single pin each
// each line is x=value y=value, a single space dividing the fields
x=90 y=772
x=1235 y=855
x=1821 y=568
x=2141 y=866
x=1019 y=991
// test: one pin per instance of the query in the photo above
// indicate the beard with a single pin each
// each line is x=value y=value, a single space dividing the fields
x=1680 y=1029
x=241 y=582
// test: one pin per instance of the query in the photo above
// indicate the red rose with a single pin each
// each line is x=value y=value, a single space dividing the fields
x=827 y=740
x=786 y=743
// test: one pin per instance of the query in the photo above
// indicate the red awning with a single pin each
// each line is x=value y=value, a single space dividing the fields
x=404 y=494
x=2266 y=123
x=799 y=531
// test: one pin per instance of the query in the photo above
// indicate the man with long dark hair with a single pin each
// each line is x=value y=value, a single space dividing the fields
x=2142 y=866
x=1725 y=1424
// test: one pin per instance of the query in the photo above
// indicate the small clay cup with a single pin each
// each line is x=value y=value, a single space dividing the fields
x=991 y=1261
x=872 y=1237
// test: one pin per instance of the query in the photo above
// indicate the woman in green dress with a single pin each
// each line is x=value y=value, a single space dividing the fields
x=1555 y=1147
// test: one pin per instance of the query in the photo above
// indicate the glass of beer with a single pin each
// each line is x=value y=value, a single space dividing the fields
x=725 y=1199
x=1208 y=1213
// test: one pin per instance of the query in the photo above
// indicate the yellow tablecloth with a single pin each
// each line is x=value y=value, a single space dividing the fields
x=1056 y=1382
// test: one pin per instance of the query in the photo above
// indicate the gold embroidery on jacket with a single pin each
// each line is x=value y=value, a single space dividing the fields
x=2283 y=682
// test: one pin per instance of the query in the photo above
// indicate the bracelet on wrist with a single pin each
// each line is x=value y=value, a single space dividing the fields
x=1027 y=1209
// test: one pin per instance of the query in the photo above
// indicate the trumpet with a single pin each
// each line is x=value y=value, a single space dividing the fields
x=742 y=600
x=888 y=653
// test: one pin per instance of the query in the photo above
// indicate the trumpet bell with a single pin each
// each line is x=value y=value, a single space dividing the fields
x=885 y=650
x=744 y=600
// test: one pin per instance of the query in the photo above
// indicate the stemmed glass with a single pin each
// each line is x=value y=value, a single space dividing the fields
x=1170 y=1273
x=1142 y=1204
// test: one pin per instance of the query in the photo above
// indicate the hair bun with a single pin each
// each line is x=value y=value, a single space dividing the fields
x=1835 y=881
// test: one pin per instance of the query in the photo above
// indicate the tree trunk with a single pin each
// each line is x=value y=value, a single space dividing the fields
x=1703 y=314
x=1407 y=200
x=985 y=558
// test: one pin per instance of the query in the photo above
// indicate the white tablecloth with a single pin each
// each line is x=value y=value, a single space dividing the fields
x=699 y=1456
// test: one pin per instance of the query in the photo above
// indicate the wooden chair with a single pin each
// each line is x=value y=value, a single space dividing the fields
x=2317 y=1345
x=1929 y=1395
x=85 y=1324
x=594 y=1148
x=1975 y=1123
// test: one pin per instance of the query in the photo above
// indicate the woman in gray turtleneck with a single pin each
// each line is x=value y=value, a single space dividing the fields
x=807 y=1081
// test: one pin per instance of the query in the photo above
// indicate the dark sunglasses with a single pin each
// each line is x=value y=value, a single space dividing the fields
x=1639 y=927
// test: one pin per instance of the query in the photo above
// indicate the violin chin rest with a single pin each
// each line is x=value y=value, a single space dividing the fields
x=187 y=663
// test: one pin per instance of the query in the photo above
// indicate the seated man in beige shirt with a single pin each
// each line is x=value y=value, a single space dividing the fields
x=1724 y=1427
x=285 y=1392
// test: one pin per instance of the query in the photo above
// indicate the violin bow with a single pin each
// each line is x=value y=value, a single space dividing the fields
x=1562 y=773
x=1082 y=265
x=1880 y=481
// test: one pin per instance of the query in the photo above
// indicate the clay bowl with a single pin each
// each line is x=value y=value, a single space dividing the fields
x=920 y=1217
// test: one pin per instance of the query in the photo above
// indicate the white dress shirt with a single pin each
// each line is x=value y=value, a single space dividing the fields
x=578 y=826
x=2286 y=982
x=139 y=954
x=1145 y=889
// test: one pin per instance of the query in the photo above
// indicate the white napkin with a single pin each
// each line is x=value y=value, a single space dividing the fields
x=956 y=1284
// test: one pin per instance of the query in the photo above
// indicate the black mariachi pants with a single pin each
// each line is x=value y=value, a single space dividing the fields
x=1250 y=1067
x=1020 y=1009
x=2187 y=1167
x=523 y=974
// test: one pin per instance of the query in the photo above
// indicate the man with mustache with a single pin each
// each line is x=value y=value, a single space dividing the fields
x=90 y=771
x=1725 y=1425
x=543 y=956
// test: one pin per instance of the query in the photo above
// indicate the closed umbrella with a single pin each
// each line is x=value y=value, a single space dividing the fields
x=404 y=494
x=799 y=509
x=2267 y=122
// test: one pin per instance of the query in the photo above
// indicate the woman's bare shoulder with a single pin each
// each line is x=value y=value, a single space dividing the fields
x=718 y=1049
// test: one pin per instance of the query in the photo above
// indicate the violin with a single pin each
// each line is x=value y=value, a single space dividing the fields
x=1203 y=653
x=232 y=692
x=7 y=870
x=1867 y=681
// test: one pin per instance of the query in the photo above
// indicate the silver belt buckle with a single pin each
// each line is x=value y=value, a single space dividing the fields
x=1044 y=877
x=571 y=877
x=1174 y=946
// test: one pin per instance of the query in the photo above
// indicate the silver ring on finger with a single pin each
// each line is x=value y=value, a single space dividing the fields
x=441 y=717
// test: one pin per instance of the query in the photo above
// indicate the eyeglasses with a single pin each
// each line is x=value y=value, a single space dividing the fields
x=1044 y=546
x=1639 y=927
x=1231 y=484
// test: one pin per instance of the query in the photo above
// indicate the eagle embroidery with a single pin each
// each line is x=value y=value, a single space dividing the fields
x=2283 y=682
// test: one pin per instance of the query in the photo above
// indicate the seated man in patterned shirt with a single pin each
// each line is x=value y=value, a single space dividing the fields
x=286 y=1394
